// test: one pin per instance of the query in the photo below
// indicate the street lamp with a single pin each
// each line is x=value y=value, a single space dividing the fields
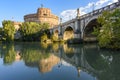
x=60 y=21
x=93 y=6
x=60 y=26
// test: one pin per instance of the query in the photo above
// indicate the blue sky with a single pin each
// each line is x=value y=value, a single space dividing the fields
x=16 y=9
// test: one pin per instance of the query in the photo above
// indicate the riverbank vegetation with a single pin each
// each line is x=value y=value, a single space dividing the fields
x=8 y=31
x=29 y=31
x=108 y=33
x=30 y=53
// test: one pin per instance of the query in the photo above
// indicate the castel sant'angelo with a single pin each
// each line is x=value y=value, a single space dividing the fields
x=43 y=15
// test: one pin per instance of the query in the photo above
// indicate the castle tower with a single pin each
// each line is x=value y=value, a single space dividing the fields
x=43 y=12
x=43 y=15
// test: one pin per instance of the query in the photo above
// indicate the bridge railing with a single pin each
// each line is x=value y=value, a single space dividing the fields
x=95 y=12
x=98 y=11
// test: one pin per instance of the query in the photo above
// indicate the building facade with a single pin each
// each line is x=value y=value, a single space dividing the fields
x=43 y=15
x=17 y=25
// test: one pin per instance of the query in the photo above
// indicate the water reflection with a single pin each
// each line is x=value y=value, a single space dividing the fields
x=86 y=59
x=47 y=64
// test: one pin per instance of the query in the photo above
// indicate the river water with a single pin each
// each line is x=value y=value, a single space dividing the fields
x=35 y=61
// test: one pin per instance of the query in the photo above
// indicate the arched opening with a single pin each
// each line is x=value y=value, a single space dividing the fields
x=68 y=33
x=56 y=35
x=88 y=31
x=69 y=52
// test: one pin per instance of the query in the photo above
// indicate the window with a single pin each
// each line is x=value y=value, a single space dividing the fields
x=45 y=14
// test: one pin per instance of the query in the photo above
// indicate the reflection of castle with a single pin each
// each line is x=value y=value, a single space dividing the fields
x=43 y=15
x=17 y=57
x=47 y=64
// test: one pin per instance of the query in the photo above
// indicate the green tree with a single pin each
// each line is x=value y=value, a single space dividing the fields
x=1 y=33
x=32 y=31
x=28 y=30
x=9 y=30
x=45 y=26
x=109 y=34
x=1 y=30
x=54 y=38
x=44 y=38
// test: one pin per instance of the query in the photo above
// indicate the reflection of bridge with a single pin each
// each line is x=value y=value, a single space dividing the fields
x=77 y=59
x=81 y=26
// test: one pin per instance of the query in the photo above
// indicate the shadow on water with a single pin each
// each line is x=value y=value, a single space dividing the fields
x=88 y=58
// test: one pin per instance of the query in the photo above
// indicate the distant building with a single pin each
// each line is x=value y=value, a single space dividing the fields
x=17 y=25
x=43 y=15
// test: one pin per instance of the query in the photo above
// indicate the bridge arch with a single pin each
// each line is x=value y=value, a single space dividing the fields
x=56 y=32
x=69 y=52
x=91 y=19
x=68 y=33
x=89 y=28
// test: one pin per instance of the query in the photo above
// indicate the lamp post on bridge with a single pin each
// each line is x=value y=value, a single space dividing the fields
x=93 y=5
x=77 y=32
x=93 y=8
x=78 y=13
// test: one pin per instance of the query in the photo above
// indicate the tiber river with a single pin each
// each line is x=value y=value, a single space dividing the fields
x=35 y=61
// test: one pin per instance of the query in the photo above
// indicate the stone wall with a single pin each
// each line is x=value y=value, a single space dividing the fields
x=17 y=25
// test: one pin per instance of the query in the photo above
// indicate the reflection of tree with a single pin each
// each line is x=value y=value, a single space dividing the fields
x=39 y=57
x=115 y=65
x=104 y=62
x=55 y=46
x=36 y=55
x=9 y=56
x=31 y=55
x=44 y=45
x=112 y=71
x=1 y=54
x=97 y=62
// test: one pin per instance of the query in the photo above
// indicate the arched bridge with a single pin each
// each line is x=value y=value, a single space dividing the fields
x=81 y=27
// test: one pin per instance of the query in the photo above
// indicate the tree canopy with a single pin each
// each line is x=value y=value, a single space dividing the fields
x=31 y=31
x=9 y=30
x=109 y=32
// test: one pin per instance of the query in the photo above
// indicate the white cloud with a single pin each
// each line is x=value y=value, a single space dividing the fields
x=112 y=1
x=69 y=14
